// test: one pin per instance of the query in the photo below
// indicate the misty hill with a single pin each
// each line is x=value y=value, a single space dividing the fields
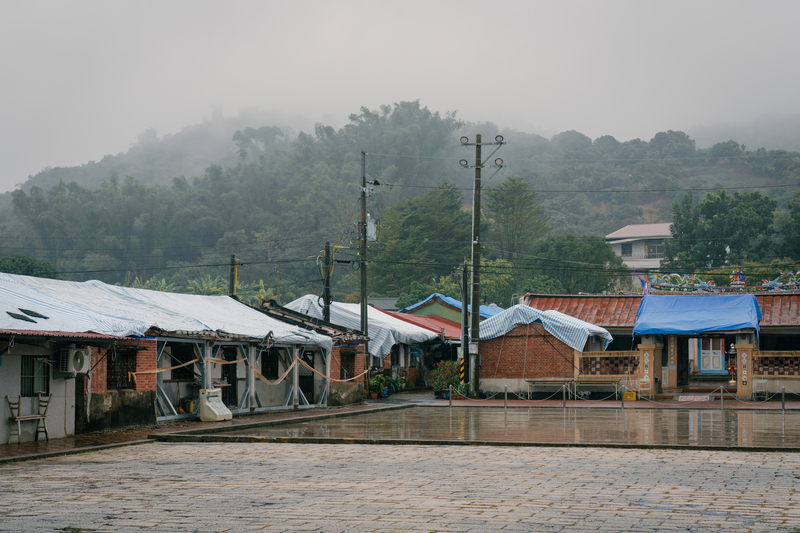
x=155 y=160
x=273 y=197
x=773 y=132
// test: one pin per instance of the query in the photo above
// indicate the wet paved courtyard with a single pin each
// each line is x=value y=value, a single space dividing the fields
x=592 y=426
x=354 y=488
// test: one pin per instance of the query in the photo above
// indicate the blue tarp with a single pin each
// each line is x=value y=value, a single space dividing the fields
x=486 y=311
x=683 y=315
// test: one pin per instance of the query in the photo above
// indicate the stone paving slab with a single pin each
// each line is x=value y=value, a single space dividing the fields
x=344 y=488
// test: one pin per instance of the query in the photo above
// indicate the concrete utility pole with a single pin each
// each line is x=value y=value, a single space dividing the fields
x=475 y=301
x=363 y=259
x=326 y=312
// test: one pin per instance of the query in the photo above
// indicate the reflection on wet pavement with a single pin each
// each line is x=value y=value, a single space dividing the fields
x=659 y=427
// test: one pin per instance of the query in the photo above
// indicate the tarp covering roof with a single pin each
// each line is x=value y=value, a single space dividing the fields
x=109 y=309
x=677 y=315
x=486 y=311
x=384 y=330
x=571 y=331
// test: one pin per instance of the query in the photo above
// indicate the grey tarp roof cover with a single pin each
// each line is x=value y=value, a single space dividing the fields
x=571 y=331
x=675 y=315
x=101 y=308
x=384 y=331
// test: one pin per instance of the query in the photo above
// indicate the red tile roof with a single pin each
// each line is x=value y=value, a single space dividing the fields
x=620 y=310
x=452 y=330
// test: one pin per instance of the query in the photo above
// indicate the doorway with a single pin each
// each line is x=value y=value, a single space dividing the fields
x=230 y=378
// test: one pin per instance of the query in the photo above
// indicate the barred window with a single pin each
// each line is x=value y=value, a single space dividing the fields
x=121 y=361
x=347 y=363
x=35 y=376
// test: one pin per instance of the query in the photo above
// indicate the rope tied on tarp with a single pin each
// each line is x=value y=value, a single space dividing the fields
x=132 y=375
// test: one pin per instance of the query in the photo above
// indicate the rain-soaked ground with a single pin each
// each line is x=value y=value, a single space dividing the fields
x=633 y=427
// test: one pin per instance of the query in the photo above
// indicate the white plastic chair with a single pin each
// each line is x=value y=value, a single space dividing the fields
x=760 y=389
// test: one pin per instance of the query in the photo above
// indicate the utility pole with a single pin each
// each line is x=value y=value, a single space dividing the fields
x=327 y=283
x=363 y=260
x=475 y=301
x=232 y=277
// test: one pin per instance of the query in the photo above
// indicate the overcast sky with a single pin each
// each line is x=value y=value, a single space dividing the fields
x=82 y=79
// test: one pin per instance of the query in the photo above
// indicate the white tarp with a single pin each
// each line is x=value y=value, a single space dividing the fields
x=384 y=331
x=181 y=313
x=571 y=331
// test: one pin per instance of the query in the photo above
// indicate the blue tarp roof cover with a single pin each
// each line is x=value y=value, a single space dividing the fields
x=677 y=315
x=486 y=311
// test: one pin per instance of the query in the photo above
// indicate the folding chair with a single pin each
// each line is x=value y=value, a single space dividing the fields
x=760 y=389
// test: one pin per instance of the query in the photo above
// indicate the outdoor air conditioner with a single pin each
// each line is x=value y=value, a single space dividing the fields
x=74 y=361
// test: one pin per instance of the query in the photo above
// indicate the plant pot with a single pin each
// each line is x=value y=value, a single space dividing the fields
x=458 y=397
x=386 y=392
x=373 y=395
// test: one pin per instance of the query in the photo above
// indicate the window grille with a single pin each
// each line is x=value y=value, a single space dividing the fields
x=347 y=364
x=121 y=361
x=35 y=376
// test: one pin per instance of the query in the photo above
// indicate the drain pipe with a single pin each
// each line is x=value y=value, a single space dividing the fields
x=564 y=396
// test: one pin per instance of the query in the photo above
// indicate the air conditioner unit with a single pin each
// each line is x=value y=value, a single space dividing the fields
x=74 y=361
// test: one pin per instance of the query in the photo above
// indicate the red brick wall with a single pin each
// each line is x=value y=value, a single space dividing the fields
x=526 y=352
x=145 y=360
x=336 y=360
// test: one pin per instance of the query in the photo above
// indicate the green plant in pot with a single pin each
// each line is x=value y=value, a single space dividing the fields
x=444 y=374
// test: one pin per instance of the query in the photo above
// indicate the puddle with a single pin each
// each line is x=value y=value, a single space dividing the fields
x=648 y=427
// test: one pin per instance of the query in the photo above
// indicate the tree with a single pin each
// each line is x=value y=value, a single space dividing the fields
x=790 y=232
x=517 y=219
x=580 y=264
x=28 y=266
x=419 y=239
x=719 y=230
x=673 y=143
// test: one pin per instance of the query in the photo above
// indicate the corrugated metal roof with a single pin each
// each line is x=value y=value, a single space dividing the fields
x=641 y=231
x=620 y=310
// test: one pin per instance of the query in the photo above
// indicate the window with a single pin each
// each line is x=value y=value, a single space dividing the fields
x=121 y=361
x=655 y=248
x=182 y=353
x=35 y=376
x=347 y=363
x=270 y=362
x=627 y=249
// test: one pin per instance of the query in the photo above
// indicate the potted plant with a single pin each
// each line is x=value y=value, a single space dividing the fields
x=402 y=377
x=444 y=374
x=375 y=386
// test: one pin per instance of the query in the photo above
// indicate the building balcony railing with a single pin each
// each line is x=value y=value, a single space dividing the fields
x=643 y=256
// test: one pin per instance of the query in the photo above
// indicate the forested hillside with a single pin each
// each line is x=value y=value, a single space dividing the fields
x=274 y=198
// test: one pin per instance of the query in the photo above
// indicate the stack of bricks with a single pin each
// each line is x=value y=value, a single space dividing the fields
x=526 y=352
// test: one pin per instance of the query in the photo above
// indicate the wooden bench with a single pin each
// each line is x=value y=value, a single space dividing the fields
x=40 y=417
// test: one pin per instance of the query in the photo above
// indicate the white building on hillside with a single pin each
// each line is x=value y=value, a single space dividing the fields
x=641 y=246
